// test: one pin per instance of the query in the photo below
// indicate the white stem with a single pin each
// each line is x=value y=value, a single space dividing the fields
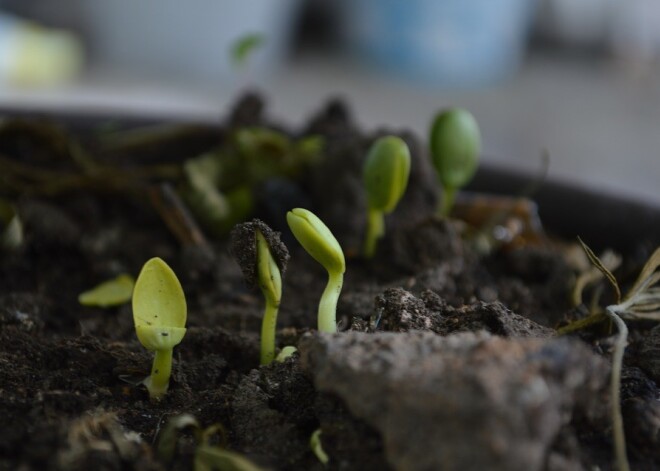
x=327 y=317
x=615 y=387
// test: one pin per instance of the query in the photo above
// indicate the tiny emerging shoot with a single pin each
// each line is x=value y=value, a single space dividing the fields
x=285 y=353
x=317 y=447
x=262 y=257
x=455 y=146
x=11 y=227
x=385 y=177
x=159 y=314
x=207 y=456
x=318 y=241
x=110 y=293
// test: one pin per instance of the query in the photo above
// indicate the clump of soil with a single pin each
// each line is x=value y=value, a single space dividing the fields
x=450 y=359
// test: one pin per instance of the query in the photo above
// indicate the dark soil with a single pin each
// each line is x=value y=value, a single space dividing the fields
x=66 y=396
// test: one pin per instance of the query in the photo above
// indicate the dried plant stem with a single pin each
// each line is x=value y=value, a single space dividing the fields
x=582 y=323
x=176 y=216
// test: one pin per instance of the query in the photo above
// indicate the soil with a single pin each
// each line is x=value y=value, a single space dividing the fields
x=448 y=357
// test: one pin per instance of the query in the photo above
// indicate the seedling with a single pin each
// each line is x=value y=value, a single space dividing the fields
x=385 y=177
x=317 y=447
x=110 y=293
x=285 y=353
x=219 y=186
x=455 y=146
x=11 y=227
x=262 y=257
x=159 y=314
x=207 y=456
x=318 y=241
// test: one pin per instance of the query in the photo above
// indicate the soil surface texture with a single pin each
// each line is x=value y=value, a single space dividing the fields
x=447 y=355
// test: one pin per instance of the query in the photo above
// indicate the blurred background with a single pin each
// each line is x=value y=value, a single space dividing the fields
x=576 y=78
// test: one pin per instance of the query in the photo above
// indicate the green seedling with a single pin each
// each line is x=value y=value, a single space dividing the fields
x=11 y=228
x=219 y=186
x=262 y=257
x=110 y=293
x=285 y=353
x=317 y=447
x=207 y=456
x=318 y=241
x=385 y=177
x=159 y=314
x=455 y=146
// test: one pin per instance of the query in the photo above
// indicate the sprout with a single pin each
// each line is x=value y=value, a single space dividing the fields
x=113 y=292
x=385 y=176
x=11 y=227
x=262 y=258
x=455 y=147
x=207 y=456
x=317 y=447
x=285 y=353
x=318 y=241
x=159 y=314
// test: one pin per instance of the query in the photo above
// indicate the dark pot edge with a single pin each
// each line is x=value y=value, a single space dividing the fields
x=602 y=219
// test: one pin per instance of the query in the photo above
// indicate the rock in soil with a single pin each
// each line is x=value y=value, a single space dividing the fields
x=462 y=402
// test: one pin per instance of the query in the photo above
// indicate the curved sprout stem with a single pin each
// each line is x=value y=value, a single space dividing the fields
x=327 y=317
x=618 y=433
x=159 y=381
x=268 y=333
x=375 y=230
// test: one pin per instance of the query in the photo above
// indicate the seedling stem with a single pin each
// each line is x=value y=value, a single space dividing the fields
x=327 y=317
x=318 y=241
x=375 y=230
x=447 y=203
x=159 y=381
x=270 y=282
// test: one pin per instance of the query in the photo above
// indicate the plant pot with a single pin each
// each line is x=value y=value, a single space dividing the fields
x=445 y=359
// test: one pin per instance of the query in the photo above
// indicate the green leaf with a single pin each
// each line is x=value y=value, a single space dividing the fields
x=110 y=293
x=386 y=173
x=244 y=46
x=309 y=147
x=316 y=239
x=259 y=141
x=212 y=458
x=159 y=306
x=455 y=146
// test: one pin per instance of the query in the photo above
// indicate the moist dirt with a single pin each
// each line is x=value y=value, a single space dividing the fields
x=69 y=375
